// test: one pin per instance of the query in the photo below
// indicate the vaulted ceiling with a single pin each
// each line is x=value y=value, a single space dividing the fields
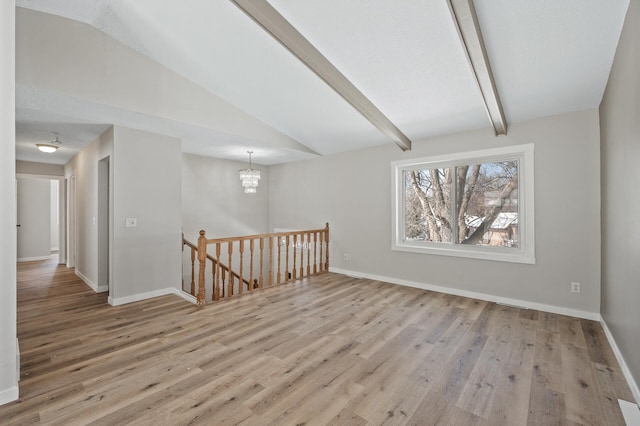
x=406 y=57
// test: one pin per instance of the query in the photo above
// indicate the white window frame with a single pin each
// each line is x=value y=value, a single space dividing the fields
x=524 y=253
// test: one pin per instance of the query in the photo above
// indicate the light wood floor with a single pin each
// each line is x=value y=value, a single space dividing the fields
x=331 y=350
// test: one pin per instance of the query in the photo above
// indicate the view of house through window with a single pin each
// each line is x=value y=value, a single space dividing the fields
x=485 y=210
x=475 y=204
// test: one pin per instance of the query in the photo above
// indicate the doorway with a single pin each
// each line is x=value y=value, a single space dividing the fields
x=71 y=221
x=40 y=230
x=103 y=225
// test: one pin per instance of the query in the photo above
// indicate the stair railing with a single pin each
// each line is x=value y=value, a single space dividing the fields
x=224 y=269
x=273 y=259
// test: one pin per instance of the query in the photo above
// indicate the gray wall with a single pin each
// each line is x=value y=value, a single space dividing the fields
x=620 y=127
x=34 y=217
x=146 y=170
x=144 y=183
x=84 y=166
x=8 y=360
x=32 y=168
x=352 y=192
x=213 y=199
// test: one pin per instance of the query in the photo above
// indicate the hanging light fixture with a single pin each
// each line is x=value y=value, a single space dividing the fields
x=51 y=146
x=250 y=178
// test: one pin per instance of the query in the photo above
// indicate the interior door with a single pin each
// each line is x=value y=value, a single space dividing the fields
x=33 y=198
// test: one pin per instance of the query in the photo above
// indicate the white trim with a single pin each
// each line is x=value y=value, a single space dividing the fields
x=9 y=395
x=18 y=359
x=186 y=296
x=151 y=294
x=94 y=287
x=630 y=412
x=470 y=252
x=525 y=253
x=31 y=259
x=623 y=365
x=474 y=295
x=37 y=176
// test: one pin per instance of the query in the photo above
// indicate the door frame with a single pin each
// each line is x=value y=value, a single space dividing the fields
x=71 y=220
x=105 y=226
x=62 y=197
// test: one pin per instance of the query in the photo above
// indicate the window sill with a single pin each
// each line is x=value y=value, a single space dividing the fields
x=504 y=255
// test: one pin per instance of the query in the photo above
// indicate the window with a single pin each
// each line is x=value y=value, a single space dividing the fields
x=475 y=204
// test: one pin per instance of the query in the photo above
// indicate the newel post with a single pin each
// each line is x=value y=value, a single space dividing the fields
x=202 y=259
x=326 y=239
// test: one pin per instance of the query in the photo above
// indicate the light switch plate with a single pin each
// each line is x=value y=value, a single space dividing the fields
x=131 y=222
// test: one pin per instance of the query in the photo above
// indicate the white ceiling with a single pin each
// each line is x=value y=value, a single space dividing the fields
x=548 y=57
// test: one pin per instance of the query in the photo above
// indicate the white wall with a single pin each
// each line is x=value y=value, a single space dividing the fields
x=34 y=217
x=8 y=347
x=84 y=166
x=620 y=127
x=74 y=59
x=146 y=173
x=352 y=192
x=213 y=199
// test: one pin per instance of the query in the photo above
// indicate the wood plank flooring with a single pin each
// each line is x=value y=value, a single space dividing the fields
x=329 y=350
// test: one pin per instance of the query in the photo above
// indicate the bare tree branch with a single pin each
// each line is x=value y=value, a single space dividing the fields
x=493 y=214
x=466 y=188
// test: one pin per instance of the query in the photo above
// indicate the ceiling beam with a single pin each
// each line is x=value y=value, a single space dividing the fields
x=466 y=23
x=280 y=29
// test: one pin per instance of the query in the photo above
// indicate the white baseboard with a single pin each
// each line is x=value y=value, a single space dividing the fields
x=30 y=259
x=623 y=365
x=94 y=286
x=151 y=294
x=474 y=295
x=630 y=412
x=17 y=359
x=186 y=296
x=9 y=395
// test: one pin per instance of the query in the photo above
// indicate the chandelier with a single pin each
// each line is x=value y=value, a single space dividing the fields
x=249 y=177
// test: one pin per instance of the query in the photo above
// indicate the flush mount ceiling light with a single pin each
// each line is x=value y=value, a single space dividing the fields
x=249 y=177
x=51 y=146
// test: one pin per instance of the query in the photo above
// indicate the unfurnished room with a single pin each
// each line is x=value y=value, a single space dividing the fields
x=341 y=212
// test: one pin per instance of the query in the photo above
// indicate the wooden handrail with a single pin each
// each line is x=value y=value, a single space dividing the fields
x=258 y=236
x=224 y=267
x=305 y=248
x=188 y=243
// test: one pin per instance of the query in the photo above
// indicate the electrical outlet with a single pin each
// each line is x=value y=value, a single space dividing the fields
x=347 y=257
x=575 y=287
